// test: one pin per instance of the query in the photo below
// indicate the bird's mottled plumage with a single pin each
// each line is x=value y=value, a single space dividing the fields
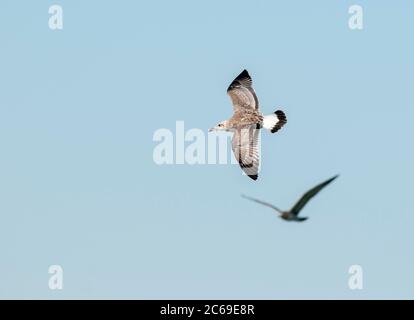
x=246 y=123
x=242 y=93
x=246 y=149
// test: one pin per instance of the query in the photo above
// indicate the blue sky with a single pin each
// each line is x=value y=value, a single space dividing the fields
x=79 y=107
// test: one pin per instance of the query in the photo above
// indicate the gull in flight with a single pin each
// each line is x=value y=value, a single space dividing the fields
x=246 y=122
x=293 y=214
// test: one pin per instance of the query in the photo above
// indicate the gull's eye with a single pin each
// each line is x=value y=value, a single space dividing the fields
x=220 y=125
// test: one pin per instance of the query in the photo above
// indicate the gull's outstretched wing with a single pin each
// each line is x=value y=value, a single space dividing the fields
x=263 y=203
x=309 y=195
x=242 y=93
x=245 y=145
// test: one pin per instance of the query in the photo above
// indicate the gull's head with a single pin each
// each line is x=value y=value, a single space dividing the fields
x=221 y=126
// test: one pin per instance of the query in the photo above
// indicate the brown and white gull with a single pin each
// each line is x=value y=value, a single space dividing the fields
x=246 y=123
x=293 y=214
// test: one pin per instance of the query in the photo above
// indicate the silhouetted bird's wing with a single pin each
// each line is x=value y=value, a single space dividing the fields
x=309 y=195
x=242 y=93
x=262 y=202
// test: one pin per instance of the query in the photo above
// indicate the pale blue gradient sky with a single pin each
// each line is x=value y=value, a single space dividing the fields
x=78 y=109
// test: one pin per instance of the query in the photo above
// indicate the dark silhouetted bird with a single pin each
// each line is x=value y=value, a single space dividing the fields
x=293 y=214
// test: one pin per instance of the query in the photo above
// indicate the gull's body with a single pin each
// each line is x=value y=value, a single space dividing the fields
x=293 y=214
x=246 y=122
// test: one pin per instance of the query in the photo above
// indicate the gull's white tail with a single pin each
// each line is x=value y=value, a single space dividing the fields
x=274 y=121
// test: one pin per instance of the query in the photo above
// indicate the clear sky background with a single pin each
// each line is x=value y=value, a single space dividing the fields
x=79 y=188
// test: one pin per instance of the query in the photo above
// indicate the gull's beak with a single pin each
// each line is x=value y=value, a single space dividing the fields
x=211 y=129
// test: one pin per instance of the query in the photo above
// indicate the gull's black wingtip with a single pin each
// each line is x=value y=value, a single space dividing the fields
x=253 y=176
x=243 y=75
x=242 y=78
